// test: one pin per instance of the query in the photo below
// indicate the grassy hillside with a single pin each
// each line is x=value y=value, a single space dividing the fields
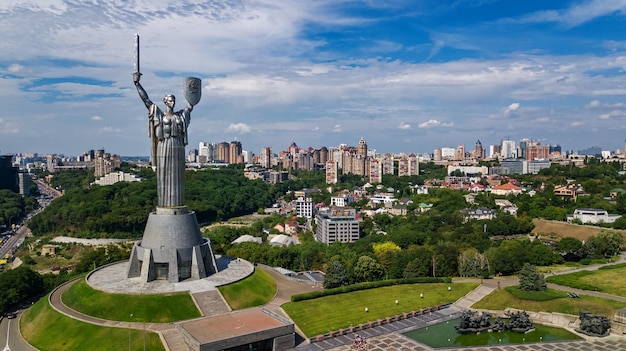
x=563 y=229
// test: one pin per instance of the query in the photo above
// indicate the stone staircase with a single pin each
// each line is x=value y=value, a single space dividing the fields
x=174 y=340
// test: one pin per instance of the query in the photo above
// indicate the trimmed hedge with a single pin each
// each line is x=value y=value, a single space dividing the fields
x=365 y=286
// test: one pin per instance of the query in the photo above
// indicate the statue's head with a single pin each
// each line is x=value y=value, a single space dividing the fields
x=169 y=100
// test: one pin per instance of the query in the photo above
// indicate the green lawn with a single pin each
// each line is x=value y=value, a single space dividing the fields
x=256 y=290
x=323 y=314
x=501 y=299
x=48 y=330
x=604 y=279
x=163 y=308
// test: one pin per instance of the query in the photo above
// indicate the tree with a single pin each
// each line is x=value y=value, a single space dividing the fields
x=335 y=275
x=531 y=280
x=385 y=253
x=472 y=263
x=367 y=270
x=571 y=249
x=607 y=243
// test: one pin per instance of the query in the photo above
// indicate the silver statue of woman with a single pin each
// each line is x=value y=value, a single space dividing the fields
x=168 y=131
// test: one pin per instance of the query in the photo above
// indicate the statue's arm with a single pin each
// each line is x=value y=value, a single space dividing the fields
x=142 y=92
x=187 y=111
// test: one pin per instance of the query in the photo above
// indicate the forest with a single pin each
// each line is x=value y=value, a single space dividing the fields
x=121 y=210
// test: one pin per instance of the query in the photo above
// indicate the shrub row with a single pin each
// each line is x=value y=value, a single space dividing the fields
x=365 y=286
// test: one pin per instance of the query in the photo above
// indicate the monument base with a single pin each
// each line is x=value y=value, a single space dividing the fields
x=172 y=248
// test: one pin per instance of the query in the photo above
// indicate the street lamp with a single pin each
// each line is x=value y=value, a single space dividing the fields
x=131 y=316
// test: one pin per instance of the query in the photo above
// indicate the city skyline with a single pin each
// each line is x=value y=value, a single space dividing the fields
x=407 y=76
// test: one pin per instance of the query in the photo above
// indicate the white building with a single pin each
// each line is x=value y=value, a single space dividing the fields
x=382 y=199
x=115 y=177
x=337 y=224
x=341 y=200
x=507 y=149
x=592 y=215
x=305 y=207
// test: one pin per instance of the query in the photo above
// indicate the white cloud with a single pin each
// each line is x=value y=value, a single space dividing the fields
x=613 y=114
x=16 y=69
x=241 y=128
x=96 y=118
x=404 y=126
x=512 y=110
x=434 y=123
x=337 y=128
x=577 y=124
x=581 y=12
x=593 y=104
x=110 y=130
x=8 y=127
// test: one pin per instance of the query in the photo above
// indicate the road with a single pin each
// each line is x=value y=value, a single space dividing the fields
x=10 y=337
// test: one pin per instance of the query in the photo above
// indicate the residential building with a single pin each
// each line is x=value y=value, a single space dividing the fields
x=479 y=214
x=508 y=149
x=305 y=207
x=593 y=216
x=341 y=200
x=337 y=224
x=115 y=177
x=506 y=189
x=331 y=172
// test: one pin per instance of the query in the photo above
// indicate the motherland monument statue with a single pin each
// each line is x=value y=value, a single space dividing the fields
x=172 y=247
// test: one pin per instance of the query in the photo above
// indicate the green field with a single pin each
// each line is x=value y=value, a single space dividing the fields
x=323 y=314
x=256 y=290
x=157 y=308
x=501 y=299
x=604 y=279
x=48 y=330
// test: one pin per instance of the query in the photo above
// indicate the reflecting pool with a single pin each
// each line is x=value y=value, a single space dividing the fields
x=444 y=335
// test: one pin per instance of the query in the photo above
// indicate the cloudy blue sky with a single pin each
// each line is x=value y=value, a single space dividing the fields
x=407 y=75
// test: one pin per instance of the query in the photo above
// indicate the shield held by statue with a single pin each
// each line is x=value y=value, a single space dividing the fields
x=192 y=88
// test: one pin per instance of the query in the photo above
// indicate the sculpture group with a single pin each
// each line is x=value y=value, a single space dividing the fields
x=474 y=322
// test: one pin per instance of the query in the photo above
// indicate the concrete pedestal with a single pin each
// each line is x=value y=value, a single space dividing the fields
x=172 y=248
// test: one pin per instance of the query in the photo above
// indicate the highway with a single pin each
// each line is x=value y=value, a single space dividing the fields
x=10 y=337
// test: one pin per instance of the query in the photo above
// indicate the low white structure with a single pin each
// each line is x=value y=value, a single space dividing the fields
x=247 y=239
x=115 y=177
x=592 y=215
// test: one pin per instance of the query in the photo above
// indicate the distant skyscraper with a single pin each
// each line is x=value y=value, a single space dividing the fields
x=495 y=149
x=447 y=153
x=266 y=157
x=361 y=149
x=479 y=151
x=331 y=172
x=508 y=149
x=459 y=153
x=376 y=171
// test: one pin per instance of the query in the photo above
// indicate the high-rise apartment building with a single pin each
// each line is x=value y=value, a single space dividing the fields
x=331 y=172
x=235 y=152
x=105 y=163
x=508 y=149
x=376 y=171
x=223 y=152
x=459 y=153
x=266 y=157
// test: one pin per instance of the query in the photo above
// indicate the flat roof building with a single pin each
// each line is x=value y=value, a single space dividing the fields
x=337 y=224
